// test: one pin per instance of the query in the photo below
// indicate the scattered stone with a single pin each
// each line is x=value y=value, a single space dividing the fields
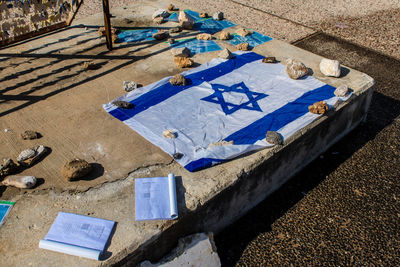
x=30 y=135
x=75 y=169
x=90 y=66
x=221 y=143
x=204 y=36
x=178 y=79
x=182 y=61
x=203 y=15
x=218 y=16
x=341 y=91
x=243 y=32
x=8 y=167
x=178 y=155
x=159 y=20
x=181 y=51
x=186 y=22
x=175 y=29
x=273 y=137
x=31 y=155
x=243 y=46
x=171 y=8
x=160 y=35
x=330 y=67
x=169 y=134
x=187 y=25
x=6 y=130
x=130 y=86
x=224 y=35
x=295 y=69
x=171 y=40
x=318 y=108
x=269 y=60
x=123 y=104
x=225 y=53
x=20 y=181
x=160 y=13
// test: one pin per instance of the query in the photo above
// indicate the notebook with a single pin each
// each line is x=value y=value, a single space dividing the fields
x=78 y=235
x=155 y=198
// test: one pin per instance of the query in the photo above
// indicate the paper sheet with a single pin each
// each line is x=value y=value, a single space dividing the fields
x=155 y=198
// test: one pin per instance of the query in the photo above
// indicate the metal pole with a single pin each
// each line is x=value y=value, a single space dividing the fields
x=107 y=25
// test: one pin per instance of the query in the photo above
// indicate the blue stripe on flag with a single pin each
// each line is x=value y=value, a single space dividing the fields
x=165 y=91
x=280 y=117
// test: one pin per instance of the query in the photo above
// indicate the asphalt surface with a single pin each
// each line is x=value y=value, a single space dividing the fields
x=344 y=208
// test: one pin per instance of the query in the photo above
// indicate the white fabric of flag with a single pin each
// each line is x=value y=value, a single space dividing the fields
x=225 y=110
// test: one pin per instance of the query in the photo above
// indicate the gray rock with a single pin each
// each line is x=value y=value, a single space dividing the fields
x=8 y=167
x=123 y=104
x=295 y=69
x=178 y=80
x=175 y=29
x=273 y=137
x=218 y=16
x=226 y=54
x=30 y=135
x=31 y=155
x=160 y=13
x=130 y=86
x=160 y=35
x=181 y=51
x=341 y=91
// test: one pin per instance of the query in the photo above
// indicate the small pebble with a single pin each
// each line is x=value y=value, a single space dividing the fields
x=269 y=60
x=123 y=104
x=75 y=169
x=178 y=155
x=30 y=135
x=203 y=15
x=6 y=130
x=175 y=29
x=318 y=108
x=160 y=13
x=295 y=69
x=130 y=86
x=8 y=167
x=20 y=181
x=159 y=20
x=243 y=32
x=31 y=155
x=243 y=46
x=90 y=66
x=204 y=36
x=226 y=54
x=171 y=7
x=169 y=134
x=330 y=67
x=341 y=91
x=187 y=25
x=274 y=138
x=160 y=35
x=224 y=35
x=178 y=80
x=183 y=62
x=218 y=16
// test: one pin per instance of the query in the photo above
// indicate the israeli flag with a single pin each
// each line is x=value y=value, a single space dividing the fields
x=225 y=110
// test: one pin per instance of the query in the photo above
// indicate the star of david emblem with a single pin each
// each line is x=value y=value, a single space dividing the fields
x=229 y=108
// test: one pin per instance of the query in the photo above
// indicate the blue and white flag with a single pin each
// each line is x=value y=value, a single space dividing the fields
x=225 y=110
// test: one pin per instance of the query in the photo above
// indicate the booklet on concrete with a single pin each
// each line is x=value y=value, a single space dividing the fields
x=5 y=207
x=78 y=235
x=155 y=198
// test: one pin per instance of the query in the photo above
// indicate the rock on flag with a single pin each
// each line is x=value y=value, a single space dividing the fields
x=225 y=110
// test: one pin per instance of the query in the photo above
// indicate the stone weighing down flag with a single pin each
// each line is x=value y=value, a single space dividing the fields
x=231 y=103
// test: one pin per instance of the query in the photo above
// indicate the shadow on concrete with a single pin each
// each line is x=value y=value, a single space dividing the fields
x=65 y=68
x=97 y=171
x=107 y=254
x=384 y=109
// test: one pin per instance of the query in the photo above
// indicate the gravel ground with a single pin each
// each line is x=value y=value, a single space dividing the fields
x=344 y=208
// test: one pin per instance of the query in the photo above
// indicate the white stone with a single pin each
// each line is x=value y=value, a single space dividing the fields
x=160 y=13
x=218 y=16
x=129 y=86
x=170 y=134
x=196 y=250
x=20 y=181
x=226 y=54
x=184 y=17
x=341 y=91
x=330 y=67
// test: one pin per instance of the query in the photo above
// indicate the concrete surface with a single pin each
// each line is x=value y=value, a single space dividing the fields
x=47 y=88
x=197 y=250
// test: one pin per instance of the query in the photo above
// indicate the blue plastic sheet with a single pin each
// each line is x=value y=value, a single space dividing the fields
x=212 y=26
x=197 y=46
x=137 y=35
x=253 y=39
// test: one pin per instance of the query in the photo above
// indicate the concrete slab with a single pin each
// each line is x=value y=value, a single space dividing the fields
x=48 y=91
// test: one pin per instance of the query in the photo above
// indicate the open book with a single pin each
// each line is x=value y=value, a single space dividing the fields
x=155 y=198
x=5 y=207
x=78 y=235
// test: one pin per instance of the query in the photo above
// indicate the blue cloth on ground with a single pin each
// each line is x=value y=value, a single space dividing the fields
x=225 y=110
x=253 y=39
x=212 y=26
x=172 y=17
x=137 y=35
x=197 y=46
